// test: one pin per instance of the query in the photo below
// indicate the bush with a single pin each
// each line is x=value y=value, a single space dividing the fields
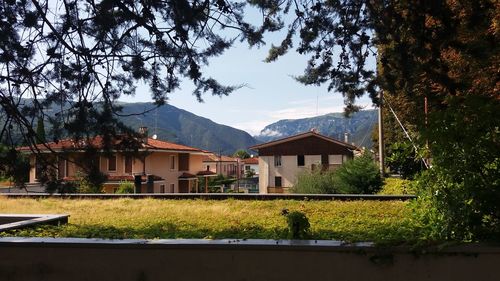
x=459 y=196
x=396 y=186
x=315 y=182
x=359 y=175
x=298 y=224
x=125 y=187
x=451 y=210
x=89 y=183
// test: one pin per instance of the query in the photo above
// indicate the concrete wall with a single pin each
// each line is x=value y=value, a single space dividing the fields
x=140 y=260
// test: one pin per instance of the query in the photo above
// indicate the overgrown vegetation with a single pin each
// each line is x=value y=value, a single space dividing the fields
x=397 y=186
x=315 y=182
x=359 y=175
x=383 y=222
x=125 y=187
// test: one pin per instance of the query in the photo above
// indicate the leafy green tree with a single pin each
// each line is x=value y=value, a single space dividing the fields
x=40 y=131
x=404 y=160
x=359 y=175
x=78 y=58
x=242 y=154
x=14 y=166
x=250 y=173
x=442 y=52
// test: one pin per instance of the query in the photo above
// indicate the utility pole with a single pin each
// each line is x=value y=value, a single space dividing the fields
x=381 y=134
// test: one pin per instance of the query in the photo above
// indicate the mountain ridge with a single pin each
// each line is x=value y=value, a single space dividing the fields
x=359 y=127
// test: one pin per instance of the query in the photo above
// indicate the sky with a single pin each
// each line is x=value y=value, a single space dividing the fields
x=270 y=92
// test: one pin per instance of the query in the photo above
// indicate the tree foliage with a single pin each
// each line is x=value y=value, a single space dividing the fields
x=404 y=159
x=356 y=176
x=359 y=175
x=445 y=52
x=242 y=154
x=77 y=58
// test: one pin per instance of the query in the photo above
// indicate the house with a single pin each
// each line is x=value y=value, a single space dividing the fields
x=249 y=164
x=161 y=166
x=281 y=160
x=221 y=165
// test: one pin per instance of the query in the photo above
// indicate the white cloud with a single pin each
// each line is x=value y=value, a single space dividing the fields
x=252 y=127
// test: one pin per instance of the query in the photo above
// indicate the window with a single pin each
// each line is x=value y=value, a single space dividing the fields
x=162 y=188
x=208 y=167
x=172 y=162
x=112 y=163
x=183 y=162
x=300 y=160
x=277 y=181
x=128 y=164
x=277 y=161
x=247 y=167
x=172 y=187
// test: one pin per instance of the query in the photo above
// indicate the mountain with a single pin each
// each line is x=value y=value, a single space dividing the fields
x=359 y=127
x=177 y=125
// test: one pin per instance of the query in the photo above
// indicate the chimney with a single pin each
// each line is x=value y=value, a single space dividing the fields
x=346 y=137
x=143 y=131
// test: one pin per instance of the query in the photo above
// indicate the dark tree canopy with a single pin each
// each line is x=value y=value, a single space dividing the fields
x=67 y=62
x=446 y=52
x=76 y=58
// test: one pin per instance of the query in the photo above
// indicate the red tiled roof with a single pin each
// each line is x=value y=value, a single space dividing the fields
x=206 y=173
x=250 y=161
x=69 y=144
x=158 y=144
x=215 y=158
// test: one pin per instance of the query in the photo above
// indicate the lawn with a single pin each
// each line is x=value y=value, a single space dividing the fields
x=382 y=222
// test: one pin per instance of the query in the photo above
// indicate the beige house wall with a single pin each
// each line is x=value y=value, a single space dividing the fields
x=157 y=163
x=264 y=162
x=289 y=170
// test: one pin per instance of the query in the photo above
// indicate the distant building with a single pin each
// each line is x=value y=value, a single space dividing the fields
x=221 y=165
x=281 y=160
x=249 y=164
x=162 y=166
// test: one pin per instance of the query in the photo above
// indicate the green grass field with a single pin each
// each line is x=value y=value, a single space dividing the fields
x=382 y=222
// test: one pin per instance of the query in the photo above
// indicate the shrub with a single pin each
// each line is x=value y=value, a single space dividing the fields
x=298 y=224
x=315 y=182
x=359 y=175
x=89 y=183
x=396 y=186
x=125 y=187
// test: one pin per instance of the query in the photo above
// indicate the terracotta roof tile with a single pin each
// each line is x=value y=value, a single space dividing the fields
x=250 y=161
x=215 y=158
x=69 y=144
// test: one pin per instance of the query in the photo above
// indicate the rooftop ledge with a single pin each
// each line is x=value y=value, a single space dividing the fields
x=238 y=244
x=15 y=221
